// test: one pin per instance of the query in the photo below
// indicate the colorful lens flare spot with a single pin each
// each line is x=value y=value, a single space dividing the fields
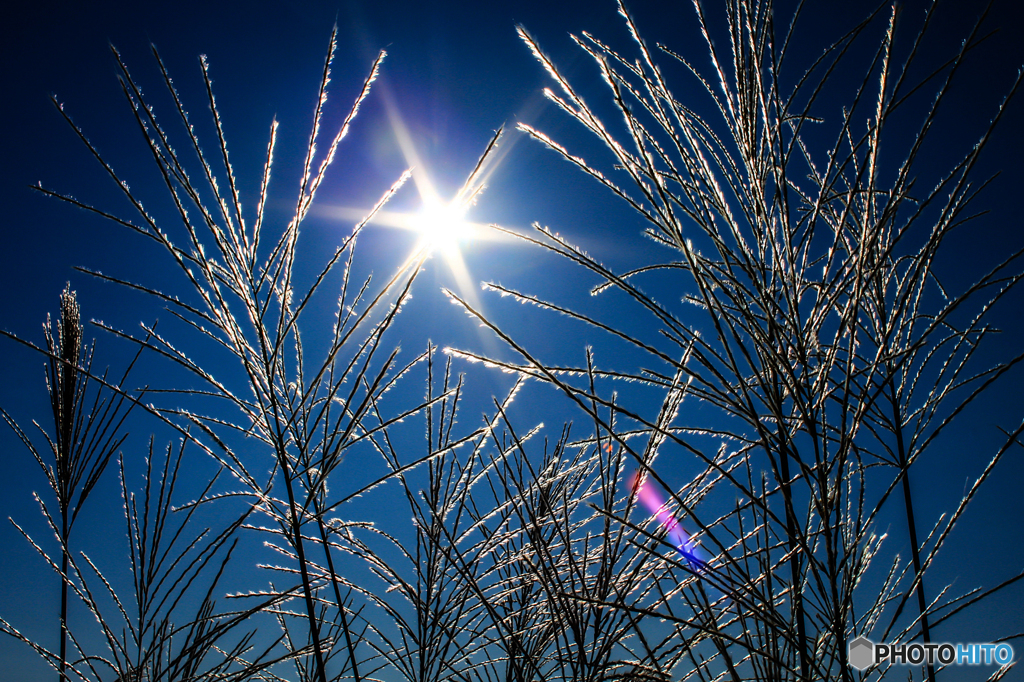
x=649 y=496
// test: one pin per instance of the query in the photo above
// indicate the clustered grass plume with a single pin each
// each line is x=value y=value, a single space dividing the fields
x=305 y=414
x=813 y=332
x=829 y=349
x=87 y=433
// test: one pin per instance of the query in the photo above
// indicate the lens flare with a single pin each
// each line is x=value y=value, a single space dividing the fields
x=649 y=496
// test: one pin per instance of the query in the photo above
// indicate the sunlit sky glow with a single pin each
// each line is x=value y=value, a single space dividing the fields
x=442 y=226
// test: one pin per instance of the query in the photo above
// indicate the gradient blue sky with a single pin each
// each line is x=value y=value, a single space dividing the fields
x=455 y=72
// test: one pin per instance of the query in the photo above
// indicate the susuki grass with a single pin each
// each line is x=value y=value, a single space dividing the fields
x=817 y=329
x=87 y=431
x=814 y=332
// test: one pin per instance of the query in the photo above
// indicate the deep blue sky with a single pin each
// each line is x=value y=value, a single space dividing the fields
x=455 y=72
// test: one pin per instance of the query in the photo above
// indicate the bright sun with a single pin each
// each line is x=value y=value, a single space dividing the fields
x=442 y=227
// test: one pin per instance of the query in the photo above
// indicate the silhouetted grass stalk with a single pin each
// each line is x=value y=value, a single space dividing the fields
x=87 y=432
x=822 y=344
x=822 y=323
x=63 y=377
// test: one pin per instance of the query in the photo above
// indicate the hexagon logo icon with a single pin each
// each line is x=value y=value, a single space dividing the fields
x=861 y=653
